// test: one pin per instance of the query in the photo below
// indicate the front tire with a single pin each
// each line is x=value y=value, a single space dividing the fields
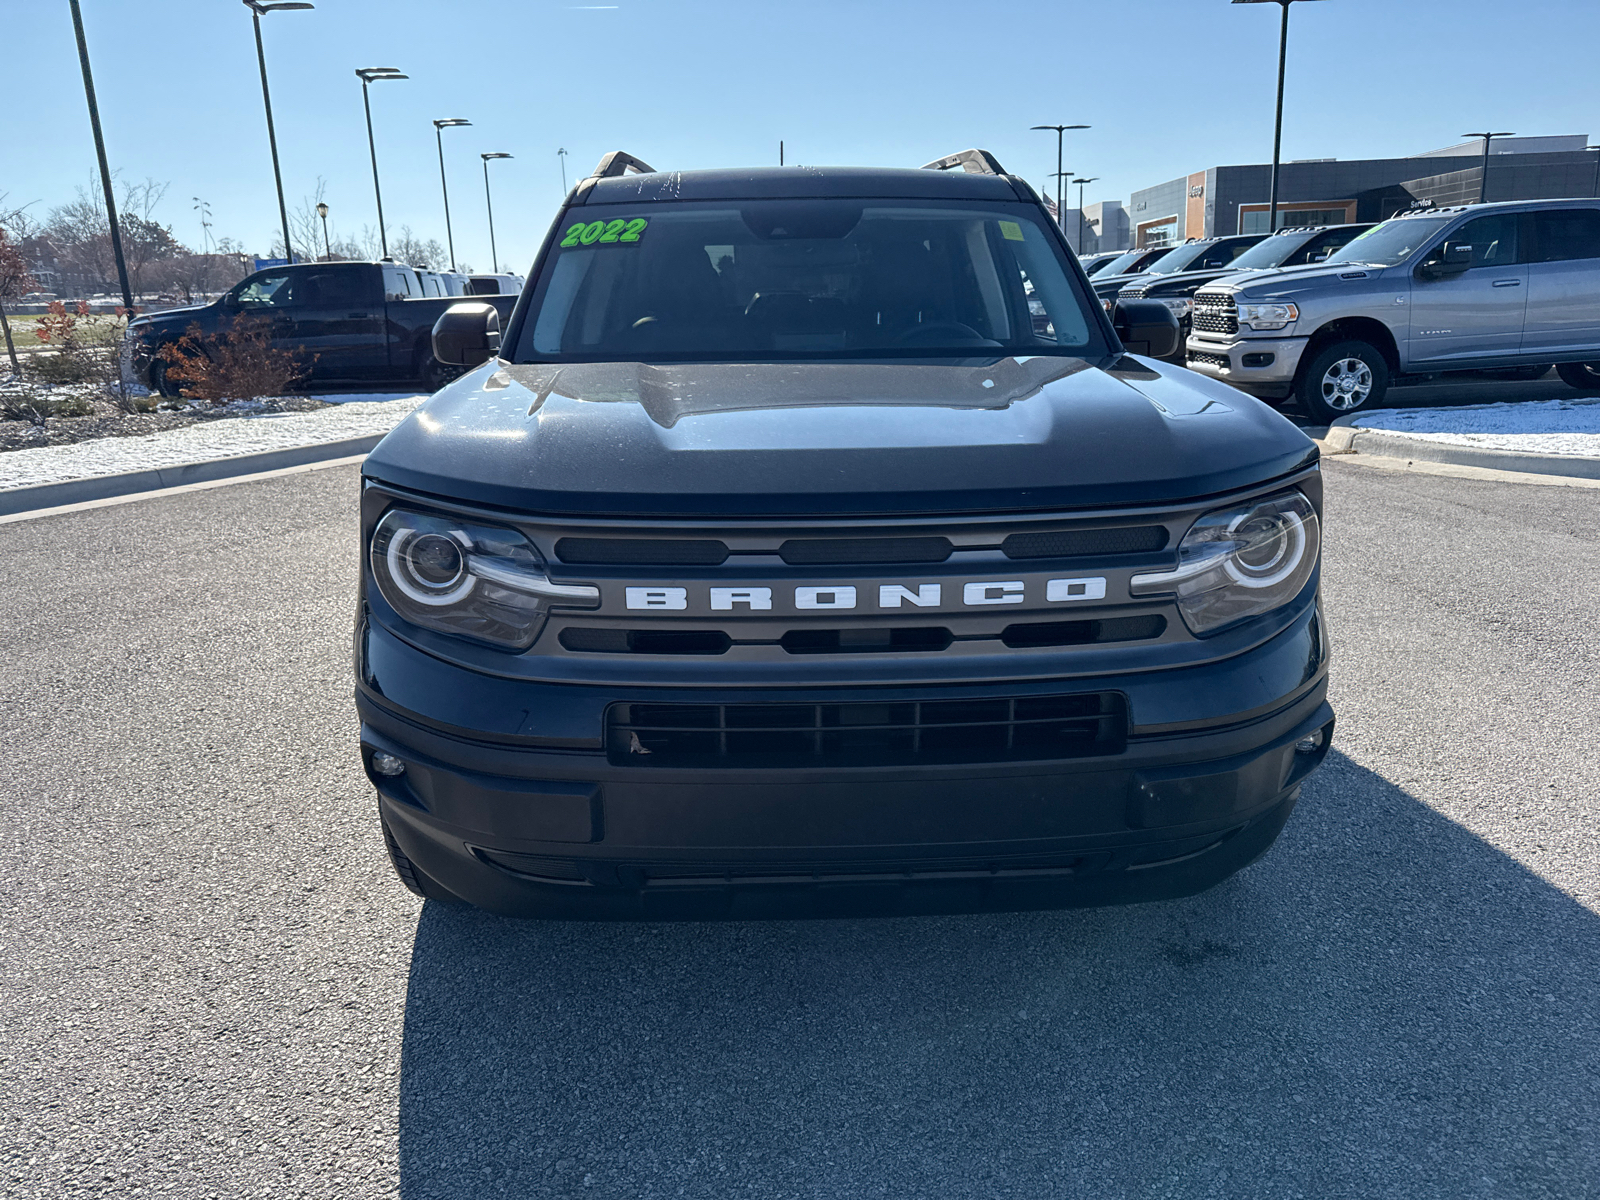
x=164 y=387
x=417 y=882
x=1344 y=378
x=1583 y=376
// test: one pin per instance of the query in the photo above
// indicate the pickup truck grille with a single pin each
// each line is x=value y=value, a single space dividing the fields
x=1136 y=292
x=1215 y=314
x=1004 y=729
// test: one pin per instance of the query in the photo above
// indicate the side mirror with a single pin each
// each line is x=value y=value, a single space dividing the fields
x=466 y=335
x=1454 y=258
x=1146 y=327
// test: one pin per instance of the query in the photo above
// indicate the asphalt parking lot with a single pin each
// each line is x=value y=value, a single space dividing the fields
x=211 y=986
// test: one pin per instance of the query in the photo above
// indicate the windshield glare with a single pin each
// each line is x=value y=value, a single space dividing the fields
x=1176 y=260
x=1390 y=243
x=1270 y=253
x=814 y=279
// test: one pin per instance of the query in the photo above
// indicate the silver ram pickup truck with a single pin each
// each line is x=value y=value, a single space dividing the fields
x=1486 y=287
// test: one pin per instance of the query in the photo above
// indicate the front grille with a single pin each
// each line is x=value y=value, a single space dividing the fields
x=700 y=874
x=1083 y=543
x=1032 y=635
x=643 y=552
x=1132 y=293
x=866 y=734
x=850 y=551
x=1210 y=360
x=865 y=640
x=1215 y=314
x=646 y=641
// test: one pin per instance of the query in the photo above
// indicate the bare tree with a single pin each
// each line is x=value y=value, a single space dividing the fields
x=14 y=280
x=82 y=233
x=407 y=247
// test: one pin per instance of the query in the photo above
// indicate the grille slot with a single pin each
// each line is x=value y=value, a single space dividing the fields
x=644 y=552
x=1215 y=314
x=646 y=641
x=1080 y=543
x=699 y=874
x=1211 y=360
x=865 y=640
x=845 y=551
x=857 y=734
x=1080 y=633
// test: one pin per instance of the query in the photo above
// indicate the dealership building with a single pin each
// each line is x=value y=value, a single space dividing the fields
x=1225 y=200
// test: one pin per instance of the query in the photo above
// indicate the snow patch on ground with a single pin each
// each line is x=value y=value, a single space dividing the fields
x=355 y=416
x=1532 y=427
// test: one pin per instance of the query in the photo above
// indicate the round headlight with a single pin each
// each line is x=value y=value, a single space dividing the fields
x=1270 y=544
x=430 y=568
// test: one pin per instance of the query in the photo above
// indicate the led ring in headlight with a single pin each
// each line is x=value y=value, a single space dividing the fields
x=1269 y=549
x=430 y=568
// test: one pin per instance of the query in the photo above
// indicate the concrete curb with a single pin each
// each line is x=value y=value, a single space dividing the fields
x=1344 y=437
x=101 y=487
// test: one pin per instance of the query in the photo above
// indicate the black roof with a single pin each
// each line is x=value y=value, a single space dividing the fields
x=754 y=183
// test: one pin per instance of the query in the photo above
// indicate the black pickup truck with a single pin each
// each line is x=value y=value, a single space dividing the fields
x=345 y=322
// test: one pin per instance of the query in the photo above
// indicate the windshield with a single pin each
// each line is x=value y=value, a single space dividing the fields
x=1389 y=244
x=1176 y=260
x=811 y=279
x=1123 y=264
x=1270 y=253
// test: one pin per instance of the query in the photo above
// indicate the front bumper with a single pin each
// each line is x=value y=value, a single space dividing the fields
x=1262 y=366
x=542 y=823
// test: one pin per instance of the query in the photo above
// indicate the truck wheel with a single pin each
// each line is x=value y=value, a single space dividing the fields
x=1343 y=378
x=434 y=374
x=412 y=875
x=160 y=384
x=1583 y=376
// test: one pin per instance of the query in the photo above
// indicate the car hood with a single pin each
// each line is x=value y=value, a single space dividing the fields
x=1288 y=281
x=721 y=440
x=169 y=316
x=1110 y=285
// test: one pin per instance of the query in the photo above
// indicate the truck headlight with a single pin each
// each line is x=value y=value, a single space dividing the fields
x=1240 y=562
x=477 y=581
x=1178 y=306
x=1261 y=317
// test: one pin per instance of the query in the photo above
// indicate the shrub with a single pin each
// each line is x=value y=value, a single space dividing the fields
x=87 y=350
x=241 y=364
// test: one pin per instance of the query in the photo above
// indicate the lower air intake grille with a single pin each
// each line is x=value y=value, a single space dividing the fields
x=866 y=734
x=1211 y=360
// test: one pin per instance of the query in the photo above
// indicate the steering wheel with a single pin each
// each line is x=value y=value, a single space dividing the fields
x=939 y=331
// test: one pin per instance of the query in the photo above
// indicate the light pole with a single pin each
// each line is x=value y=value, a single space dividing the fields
x=1483 y=175
x=100 y=151
x=370 y=75
x=561 y=156
x=1060 y=129
x=494 y=255
x=1080 y=183
x=204 y=209
x=257 y=7
x=322 y=211
x=438 y=133
x=1277 y=125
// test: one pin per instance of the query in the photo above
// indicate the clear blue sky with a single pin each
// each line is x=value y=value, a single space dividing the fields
x=1170 y=86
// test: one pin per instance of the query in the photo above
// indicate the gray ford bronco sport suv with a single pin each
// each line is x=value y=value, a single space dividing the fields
x=1488 y=287
x=810 y=541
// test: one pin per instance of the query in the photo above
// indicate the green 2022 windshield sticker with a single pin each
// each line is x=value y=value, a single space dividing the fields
x=620 y=232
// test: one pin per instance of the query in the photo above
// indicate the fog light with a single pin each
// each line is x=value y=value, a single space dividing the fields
x=1257 y=360
x=388 y=764
x=1306 y=745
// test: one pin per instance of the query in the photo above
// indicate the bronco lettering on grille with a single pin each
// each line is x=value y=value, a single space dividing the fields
x=889 y=595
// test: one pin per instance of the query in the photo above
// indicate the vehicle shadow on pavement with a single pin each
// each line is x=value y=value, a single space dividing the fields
x=1386 y=1005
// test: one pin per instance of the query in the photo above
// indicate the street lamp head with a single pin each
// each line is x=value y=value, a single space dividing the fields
x=322 y=211
x=1059 y=128
x=1285 y=3
x=370 y=74
x=449 y=121
x=1090 y=179
x=1506 y=133
x=262 y=7
x=496 y=154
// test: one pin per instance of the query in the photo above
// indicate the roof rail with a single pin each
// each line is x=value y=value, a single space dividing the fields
x=620 y=162
x=974 y=162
